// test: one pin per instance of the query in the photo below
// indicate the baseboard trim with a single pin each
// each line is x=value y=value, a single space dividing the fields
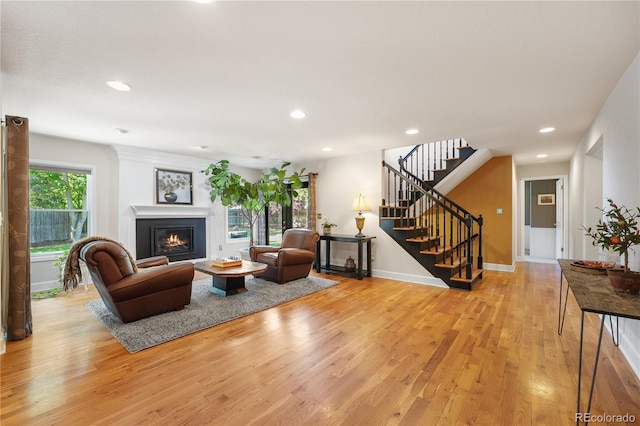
x=417 y=279
x=631 y=354
x=536 y=259
x=628 y=349
x=499 y=267
x=44 y=285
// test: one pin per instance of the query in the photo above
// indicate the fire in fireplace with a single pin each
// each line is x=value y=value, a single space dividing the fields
x=174 y=243
x=176 y=238
x=171 y=239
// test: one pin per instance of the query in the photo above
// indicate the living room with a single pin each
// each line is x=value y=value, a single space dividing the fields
x=124 y=177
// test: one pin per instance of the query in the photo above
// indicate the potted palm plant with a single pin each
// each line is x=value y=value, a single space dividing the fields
x=618 y=231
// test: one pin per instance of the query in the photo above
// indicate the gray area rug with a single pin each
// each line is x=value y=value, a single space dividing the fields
x=205 y=310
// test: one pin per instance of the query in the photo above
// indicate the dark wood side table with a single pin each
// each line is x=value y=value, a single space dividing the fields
x=595 y=294
x=360 y=241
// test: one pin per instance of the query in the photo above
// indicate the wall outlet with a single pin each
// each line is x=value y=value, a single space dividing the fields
x=220 y=247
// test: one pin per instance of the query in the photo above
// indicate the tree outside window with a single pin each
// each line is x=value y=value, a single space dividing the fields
x=58 y=209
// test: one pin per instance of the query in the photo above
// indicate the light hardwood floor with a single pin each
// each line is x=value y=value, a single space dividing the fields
x=371 y=352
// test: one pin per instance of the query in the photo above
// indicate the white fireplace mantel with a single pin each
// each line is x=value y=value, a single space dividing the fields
x=171 y=211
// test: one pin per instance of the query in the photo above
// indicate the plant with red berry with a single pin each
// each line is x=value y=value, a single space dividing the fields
x=617 y=231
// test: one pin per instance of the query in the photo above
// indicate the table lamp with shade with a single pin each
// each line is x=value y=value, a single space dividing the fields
x=360 y=204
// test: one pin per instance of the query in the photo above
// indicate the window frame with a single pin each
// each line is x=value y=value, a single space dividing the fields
x=286 y=214
x=61 y=166
x=228 y=239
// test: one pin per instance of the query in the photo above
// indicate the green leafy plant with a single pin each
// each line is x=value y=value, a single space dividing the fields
x=618 y=231
x=252 y=197
x=328 y=224
x=46 y=294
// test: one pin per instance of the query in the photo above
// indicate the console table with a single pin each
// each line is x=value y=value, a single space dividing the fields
x=359 y=241
x=595 y=294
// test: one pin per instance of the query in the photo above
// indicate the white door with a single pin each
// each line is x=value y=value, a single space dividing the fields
x=560 y=252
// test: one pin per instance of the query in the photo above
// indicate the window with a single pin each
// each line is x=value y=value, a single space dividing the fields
x=59 y=209
x=237 y=225
x=299 y=208
x=296 y=215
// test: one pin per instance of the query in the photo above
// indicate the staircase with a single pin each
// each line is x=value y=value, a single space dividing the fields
x=442 y=236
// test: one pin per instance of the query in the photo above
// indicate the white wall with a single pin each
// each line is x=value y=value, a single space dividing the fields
x=339 y=181
x=124 y=177
x=100 y=157
x=102 y=160
x=138 y=166
x=617 y=125
x=543 y=169
x=136 y=183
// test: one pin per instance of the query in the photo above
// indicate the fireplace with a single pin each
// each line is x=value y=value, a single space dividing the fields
x=176 y=238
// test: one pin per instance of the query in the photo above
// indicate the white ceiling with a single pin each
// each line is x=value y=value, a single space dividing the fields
x=226 y=74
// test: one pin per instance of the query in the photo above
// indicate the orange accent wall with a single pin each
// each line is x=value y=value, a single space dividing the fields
x=486 y=190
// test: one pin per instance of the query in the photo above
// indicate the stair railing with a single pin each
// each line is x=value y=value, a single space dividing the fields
x=423 y=160
x=434 y=219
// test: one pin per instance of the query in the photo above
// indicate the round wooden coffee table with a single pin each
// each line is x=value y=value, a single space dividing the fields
x=229 y=281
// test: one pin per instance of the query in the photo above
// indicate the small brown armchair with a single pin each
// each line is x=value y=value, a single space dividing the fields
x=292 y=260
x=132 y=295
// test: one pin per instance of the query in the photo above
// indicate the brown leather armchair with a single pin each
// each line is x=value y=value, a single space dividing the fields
x=292 y=260
x=132 y=295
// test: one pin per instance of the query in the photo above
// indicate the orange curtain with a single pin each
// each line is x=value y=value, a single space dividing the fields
x=18 y=323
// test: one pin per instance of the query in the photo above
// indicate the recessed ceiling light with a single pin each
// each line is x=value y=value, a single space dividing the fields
x=412 y=131
x=122 y=131
x=327 y=149
x=547 y=130
x=541 y=156
x=298 y=114
x=118 y=85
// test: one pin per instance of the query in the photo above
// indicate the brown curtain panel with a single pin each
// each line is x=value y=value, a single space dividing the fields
x=18 y=321
x=312 y=200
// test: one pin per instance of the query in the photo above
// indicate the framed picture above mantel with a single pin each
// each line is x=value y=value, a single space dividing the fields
x=173 y=187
